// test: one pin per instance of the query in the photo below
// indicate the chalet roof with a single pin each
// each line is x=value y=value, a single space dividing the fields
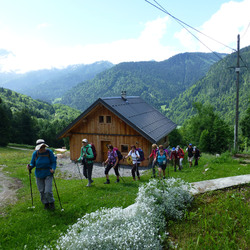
x=133 y=110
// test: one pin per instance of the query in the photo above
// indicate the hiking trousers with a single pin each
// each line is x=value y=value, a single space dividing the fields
x=87 y=170
x=135 y=169
x=44 y=186
x=111 y=165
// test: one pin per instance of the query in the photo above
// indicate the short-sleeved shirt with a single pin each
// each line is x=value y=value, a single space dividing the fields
x=161 y=159
x=190 y=151
x=112 y=155
x=134 y=156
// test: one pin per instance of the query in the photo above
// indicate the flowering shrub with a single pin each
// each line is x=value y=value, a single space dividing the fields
x=137 y=227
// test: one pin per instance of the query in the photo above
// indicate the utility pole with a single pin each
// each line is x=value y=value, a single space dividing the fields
x=237 y=70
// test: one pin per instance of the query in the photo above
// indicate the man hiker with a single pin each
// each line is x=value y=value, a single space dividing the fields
x=197 y=155
x=113 y=162
x=190 y=150
x=45 y=163
x=87 y=160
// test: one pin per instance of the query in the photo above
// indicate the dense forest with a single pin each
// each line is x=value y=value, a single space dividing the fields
x=156 y=82
x=24 y=120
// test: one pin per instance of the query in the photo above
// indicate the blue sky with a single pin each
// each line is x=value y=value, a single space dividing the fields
x=52 y=33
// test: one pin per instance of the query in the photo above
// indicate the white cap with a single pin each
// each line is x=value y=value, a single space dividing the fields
x=85 y=140
x=40 y=143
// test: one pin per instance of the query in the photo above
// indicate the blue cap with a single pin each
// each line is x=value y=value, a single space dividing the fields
x=173 y=148
x=190 y=144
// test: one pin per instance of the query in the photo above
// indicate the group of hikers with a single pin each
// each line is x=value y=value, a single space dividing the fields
x=44 y=162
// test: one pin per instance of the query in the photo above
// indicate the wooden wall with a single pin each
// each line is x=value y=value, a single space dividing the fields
x=117 y=133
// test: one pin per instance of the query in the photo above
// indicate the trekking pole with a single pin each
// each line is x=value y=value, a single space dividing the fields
x=121 y=176
x=79 y=172
x=31 y=188
x=57 y=193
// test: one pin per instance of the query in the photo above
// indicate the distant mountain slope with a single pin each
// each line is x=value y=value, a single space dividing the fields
x=39 y=109
x=156 y=82
x=218 y=88
x=47 y=84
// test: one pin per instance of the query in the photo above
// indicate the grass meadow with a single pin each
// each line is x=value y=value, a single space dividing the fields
x=216 y=220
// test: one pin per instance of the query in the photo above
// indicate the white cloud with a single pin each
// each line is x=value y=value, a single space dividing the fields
x=35 y=54
x=43 y=25
x=230 y=20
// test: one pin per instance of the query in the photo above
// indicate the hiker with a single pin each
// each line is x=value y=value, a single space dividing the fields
x=44 y=161
x=174 y=156
x=161 y=160
x=180 y=153
x=190 y=150
x=136 y=163
x=87 y=160
x=113 y=162
x=153 y=155
x=197 y=155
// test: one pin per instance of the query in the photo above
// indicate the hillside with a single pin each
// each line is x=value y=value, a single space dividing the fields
x=218 y=88
x=156 y=82
x=49 y=84
x=17 y=102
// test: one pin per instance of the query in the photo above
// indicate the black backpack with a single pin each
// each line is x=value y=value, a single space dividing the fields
x=119 y=154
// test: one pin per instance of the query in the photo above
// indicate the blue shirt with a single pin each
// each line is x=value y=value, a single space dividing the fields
x=161 y=159
x=43 y=163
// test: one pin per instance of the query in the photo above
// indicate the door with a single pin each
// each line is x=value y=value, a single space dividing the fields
x=105 y=150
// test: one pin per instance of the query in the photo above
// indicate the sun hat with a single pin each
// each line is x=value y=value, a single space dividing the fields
x=40 y=143
x=85 y=140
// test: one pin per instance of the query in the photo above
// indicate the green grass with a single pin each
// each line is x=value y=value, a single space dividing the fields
x=21 y=227
x=217 y=220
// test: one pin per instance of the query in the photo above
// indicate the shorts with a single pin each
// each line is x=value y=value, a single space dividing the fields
x=190 y=159
x=163 y=167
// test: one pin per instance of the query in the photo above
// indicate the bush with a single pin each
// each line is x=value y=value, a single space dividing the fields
x=140 y=226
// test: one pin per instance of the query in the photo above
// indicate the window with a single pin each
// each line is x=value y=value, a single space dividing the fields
x=124 y=148
x=108 y=119
x=101 y=119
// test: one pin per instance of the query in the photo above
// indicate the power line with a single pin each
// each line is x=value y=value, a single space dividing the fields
x=183 y=24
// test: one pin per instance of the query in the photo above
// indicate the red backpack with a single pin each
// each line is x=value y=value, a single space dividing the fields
x=94 y=152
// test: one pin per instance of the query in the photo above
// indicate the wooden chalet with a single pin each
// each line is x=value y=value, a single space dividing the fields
x=120 y=121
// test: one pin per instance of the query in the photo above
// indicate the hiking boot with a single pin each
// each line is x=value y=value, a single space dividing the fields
x=46 y=206
x=91 y=181
x=138 y=178
x=107 y=181
x=52 y=206
x=89 y=184
x=117 y=181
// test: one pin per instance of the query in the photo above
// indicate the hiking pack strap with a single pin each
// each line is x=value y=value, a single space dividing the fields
x=39 y=155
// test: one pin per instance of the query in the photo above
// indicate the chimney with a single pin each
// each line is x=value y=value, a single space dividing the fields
x=123 y=95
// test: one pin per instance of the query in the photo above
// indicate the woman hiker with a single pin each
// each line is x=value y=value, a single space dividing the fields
x=161 y=160
x=45 y=163
x=113 y=162
x=153 y=155
x=86 y=157
x=136 y=163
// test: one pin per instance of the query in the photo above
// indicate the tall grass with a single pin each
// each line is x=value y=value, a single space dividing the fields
x=22 y=227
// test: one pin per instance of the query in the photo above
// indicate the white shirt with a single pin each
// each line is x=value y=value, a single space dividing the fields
x=134 y=156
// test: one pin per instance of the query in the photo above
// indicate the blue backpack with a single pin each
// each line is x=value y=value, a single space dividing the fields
x=141 y=153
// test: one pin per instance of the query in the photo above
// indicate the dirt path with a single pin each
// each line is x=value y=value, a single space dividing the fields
x=8 y=188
